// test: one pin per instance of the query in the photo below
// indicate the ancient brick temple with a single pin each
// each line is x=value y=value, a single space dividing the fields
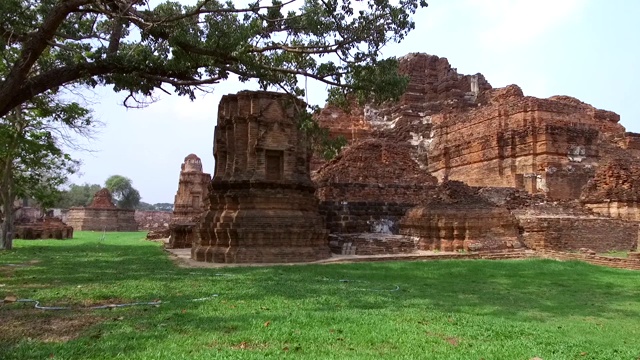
x=189 y=201
x=102 y=215
x=261 y=202
x=513 y=170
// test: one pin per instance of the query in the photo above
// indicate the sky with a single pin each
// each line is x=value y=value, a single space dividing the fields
x=582 y=48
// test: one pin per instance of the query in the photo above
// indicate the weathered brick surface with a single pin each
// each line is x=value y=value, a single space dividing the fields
x=370 y=186
x=458 y=217
x=159 y=234
x=434 y=86
x=192 y=190
x=630 y=142
x=189 y=203
x=549 y=227
x=348 y=217
x=152 y=220
x=102 y=215
x=539 y=145
x=261 y=205
x=615 y=189
x=182 y=235
x=378 y=163
x=461 y=228
x=46 y=228
x=102 y=200
x=372 y=244
x=459 y=128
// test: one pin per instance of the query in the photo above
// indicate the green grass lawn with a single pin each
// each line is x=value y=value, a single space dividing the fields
x=442 y=310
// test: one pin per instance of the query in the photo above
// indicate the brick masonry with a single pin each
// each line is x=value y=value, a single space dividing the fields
x=261 y=207
x=46 y=228
x=102 y=215
x=152 y=220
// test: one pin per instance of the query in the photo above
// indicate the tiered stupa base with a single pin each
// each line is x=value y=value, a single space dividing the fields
x=261 y=223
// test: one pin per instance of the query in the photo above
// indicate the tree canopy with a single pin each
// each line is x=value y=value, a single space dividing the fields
x=47 y=44
x=155 y=207
x=77 y=195
x=33 y=162
x=123 y=192
x=50 y=46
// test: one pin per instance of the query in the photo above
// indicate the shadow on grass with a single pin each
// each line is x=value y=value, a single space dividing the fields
x=500 y=288
x=504 y=288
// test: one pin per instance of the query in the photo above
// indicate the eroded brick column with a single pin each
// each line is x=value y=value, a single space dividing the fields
x=262 y=206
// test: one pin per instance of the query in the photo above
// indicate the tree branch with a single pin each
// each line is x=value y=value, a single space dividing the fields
x=34 y=46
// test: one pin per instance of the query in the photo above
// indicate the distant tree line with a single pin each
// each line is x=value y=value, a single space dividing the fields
x=124 y=195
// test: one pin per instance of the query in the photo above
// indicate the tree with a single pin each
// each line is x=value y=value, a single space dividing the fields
x=33 y=163
x=123 y=192
x=154 y=207
x=145 y=206
x=48 y=44
x=163 y=206
x=77 y=195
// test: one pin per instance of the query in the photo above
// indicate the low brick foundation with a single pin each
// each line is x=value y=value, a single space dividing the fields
x=562 y=233
x=613 y=262
x=371 y=244
x=47 y=228
x=363 y=216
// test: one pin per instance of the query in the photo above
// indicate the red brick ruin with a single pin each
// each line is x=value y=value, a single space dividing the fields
x=454 y=165
x=102 y=215
x=513 y=170
x=45 y=228
x=189 y=202
x=261 y=207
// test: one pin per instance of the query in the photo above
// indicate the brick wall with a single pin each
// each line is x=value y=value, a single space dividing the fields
x=573 y=233
x=347 y=217
x=109 y=219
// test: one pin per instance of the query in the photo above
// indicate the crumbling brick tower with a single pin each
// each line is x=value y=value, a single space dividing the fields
x=192 y=189
x=261 y=201
x=189 y=202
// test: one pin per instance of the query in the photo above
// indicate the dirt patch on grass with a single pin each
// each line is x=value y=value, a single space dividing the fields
x=450 y=339
x=19 y=324
x=249 y=346
x=6 y=272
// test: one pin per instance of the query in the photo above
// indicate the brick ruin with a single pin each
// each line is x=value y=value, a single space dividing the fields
x=189 y=202
x=44 y=228
x=453 y=165
x=153 y=220
x=539 y=145
x=513 y=170
x=457 y=218
x=102 y=215
x=261 y=204
x=614 y=191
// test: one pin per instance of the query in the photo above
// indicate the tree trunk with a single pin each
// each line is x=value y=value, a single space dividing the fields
x=6 y=199
x=6 y=232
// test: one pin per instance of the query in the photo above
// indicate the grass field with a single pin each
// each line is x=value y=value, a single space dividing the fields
x=396 y=310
